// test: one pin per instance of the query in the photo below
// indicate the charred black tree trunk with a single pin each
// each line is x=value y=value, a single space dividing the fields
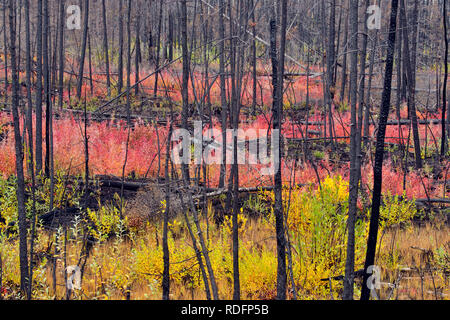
x=105 y=47
x=223 y=97
x=61 y=55
x=137 y=56
x=409 y=59
x=165 y=244
x=29 y=124
x=184 y=87
x=83 y=48
x=277 y=110
x=20 y=191
x=379 y=152
x=353 y=183
x=444 y=90
x=120 y=60
x=39 y=88
x=158 y=47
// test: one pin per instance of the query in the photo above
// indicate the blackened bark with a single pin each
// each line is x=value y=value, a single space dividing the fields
x=61 y=54
x=185 y=77
x=83 y=48
x=158 y=47
x=444 y=89
x=39 y=89
x=379 y=152
x=330 y=66
x=46 y=76
x=20 y=191
x=128 y=101
x=120 y=60
x=277 y=110
x=234 y=176
x=165 y=244
x=137 y=56
x=170 y=36
x=362 y=87
x=91 y=81
x=5 y=44
x=253 y=18
x=29 y=124
x=105 y=48
x=223 y=97
x=344 y=62
x=411 y=85
x=353 y=183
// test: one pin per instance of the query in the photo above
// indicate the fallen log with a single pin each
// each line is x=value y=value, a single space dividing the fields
x=388 y=123
x=130 y=186
x=433 y=200
x=216 y=192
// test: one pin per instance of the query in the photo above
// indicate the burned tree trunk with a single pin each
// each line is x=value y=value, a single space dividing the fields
x=184 y=87
x=61 y=55
x=409 y=60
x=444 y=145
x=105 y=48
x=83 y=48
x=277 y=110
x=39 y=89
x=223 y=97
x=158 y=49
x=353 y=183
x=379 y=152
x=20 y=191
x=120 y=60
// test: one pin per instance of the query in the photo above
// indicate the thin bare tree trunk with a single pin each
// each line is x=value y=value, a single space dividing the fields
x=20 y=191
x=165 y=244
x=158 y=47
x=39 y=88
x=185 y=78
x=344 y=62
x=223 y=97
x=83 y=48
x=61 y=55
x=138 y=49
x=444 y=145
x=29 y=123
x=5 y=44
x=409 y=60
x=277 y=110
x=330 y=67
x=105 y=48
x=353 y=184
x=120 y=60
x=369 y=87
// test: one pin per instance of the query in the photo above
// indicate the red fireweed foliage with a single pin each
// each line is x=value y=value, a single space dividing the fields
x=107 y=144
